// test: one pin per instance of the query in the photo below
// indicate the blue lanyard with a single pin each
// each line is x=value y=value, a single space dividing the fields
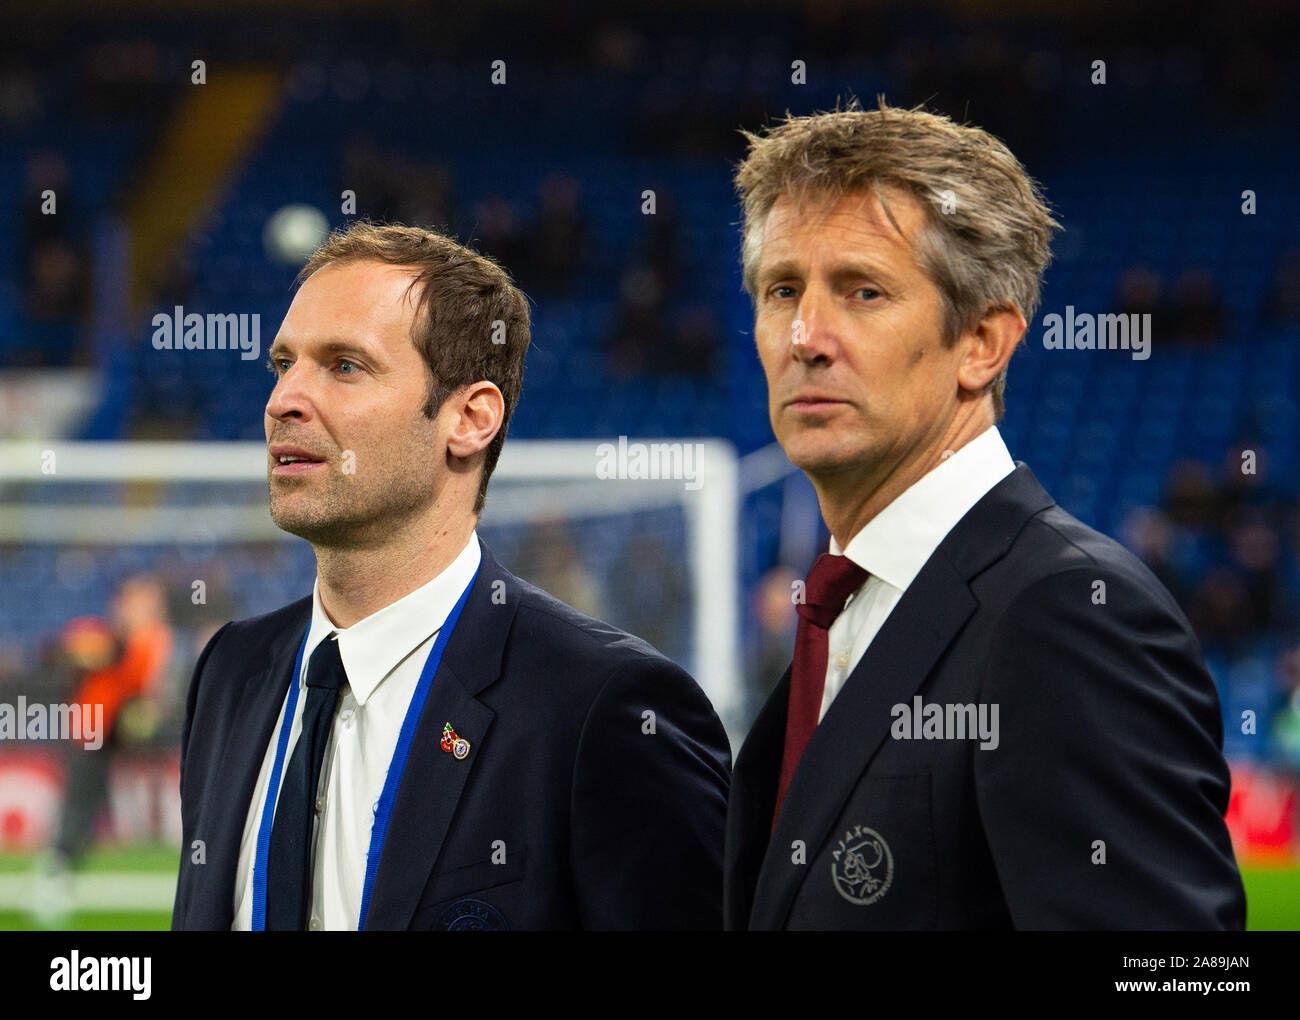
x=384 y=811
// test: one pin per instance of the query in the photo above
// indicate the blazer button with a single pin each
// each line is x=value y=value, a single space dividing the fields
x=314 y=924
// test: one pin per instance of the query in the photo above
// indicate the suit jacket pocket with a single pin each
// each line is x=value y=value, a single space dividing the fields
x=876 y=869
x=465 y=885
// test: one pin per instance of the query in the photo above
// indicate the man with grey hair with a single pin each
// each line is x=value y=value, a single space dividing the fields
x=996 y=716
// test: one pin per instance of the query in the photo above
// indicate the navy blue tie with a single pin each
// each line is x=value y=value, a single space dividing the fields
x=288 y=870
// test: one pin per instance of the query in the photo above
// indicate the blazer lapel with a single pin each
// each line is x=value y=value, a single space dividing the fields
x=433 y=780
x=926 y=619
x=250 y=733
x=931 y=612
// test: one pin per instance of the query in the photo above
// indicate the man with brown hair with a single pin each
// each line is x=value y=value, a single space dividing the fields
x=428 y=741
x=996 y=716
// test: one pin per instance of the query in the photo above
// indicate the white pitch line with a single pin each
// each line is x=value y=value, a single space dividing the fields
x=100 y=890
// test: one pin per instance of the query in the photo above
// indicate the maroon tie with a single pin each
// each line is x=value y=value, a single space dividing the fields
x=832 y=580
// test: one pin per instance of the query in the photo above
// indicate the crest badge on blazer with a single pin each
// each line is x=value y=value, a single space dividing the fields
x=472 y=915
x=862 y=866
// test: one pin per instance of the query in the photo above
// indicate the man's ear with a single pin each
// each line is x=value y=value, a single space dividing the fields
x=989 y=346
x=480 y=408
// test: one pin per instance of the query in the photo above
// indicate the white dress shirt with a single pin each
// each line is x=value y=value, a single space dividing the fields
x=383 y=655
x=895 y=544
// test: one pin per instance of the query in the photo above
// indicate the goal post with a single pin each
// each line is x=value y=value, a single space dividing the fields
x=641 y=532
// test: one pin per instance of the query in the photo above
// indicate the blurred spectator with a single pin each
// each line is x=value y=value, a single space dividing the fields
x=549 y=559
x=392 y=188
x=640 y=327
x=1222 y=546
x=56 y=282
x=366 y=172
x=1247 y=484
x=1190 y=497
x=1255 y=551
x=558 y=236
x=1221 y=613
x=1150 y=534
x=55 y=270
x=1195 y=312
x=1192 y=313
x=1138 y=292
x=174 y=282
x=661 y=244
x=1282 y=306
x=695 y=347
x=643 y=342
x=671 y=116
x=774 y=611
x=496 y=232
x=654 y=599
x=48 y=171
x=119 y=667
x=126 y=77
x=426 y=199
x=20 y=98
x=1286 y=721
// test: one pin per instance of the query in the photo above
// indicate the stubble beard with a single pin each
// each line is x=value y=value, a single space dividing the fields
x=345 y=513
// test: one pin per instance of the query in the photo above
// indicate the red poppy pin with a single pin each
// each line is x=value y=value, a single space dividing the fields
x=458 y=746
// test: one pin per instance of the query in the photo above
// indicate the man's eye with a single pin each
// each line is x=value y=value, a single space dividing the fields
x=344 y=361
x=867 y=293
x=273 y=365
x=783 y=291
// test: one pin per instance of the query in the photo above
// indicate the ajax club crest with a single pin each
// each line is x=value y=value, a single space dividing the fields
x=862 y=867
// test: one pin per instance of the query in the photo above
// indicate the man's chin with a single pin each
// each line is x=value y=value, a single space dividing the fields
x=307 y=526
x=299 y=529
x=816 y=457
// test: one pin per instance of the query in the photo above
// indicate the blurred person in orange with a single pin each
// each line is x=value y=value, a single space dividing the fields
x=118 y=664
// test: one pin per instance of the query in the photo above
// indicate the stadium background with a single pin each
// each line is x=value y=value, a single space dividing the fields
x=168 y=192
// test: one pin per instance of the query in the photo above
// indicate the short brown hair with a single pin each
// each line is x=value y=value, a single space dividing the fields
x=471 y=321
x=988 y=229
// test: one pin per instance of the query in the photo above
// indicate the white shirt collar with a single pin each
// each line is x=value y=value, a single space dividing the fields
x=373 y=647
x=896 y=543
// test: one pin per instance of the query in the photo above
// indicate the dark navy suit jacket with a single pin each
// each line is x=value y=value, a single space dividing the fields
x=608 y=817
x=1101 y=806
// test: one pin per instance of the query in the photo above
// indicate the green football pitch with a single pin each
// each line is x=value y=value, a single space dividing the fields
x=108 y=876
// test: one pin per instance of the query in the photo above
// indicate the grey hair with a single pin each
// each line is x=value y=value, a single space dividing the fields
x=987 y=235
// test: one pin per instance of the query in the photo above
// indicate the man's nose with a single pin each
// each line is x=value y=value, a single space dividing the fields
x=814 y=331
x=292 y=394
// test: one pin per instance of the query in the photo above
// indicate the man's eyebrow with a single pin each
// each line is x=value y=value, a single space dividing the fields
x=857 y=269
x=778 y=271
x=788 y=269
x=332 y=346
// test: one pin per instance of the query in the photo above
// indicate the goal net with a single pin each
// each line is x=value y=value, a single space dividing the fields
x=641 y=533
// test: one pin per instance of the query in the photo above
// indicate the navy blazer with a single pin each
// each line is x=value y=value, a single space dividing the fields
x=606 y=816
x=1101 y=805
